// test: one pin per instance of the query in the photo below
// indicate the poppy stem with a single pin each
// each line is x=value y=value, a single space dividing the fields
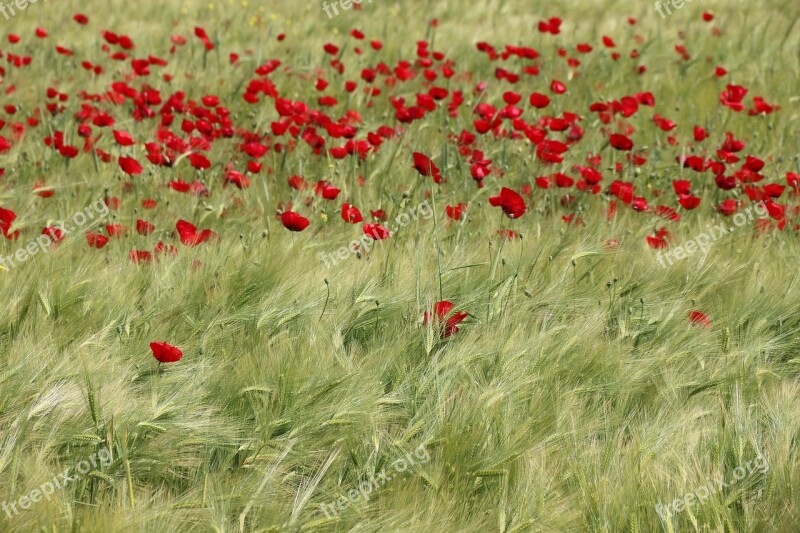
x=327 y=297
x=438 y=249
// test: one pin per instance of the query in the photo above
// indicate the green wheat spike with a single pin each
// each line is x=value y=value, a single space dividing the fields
x=496 y=472
x=151 y=427
x=101 y=475
x=88 y=437
x=414 y=429
x=633 y=523
x=93 y=406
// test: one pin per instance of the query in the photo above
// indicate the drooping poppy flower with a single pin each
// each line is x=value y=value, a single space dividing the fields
x=165 y=352
x=294 y=221
x=443 y=316
x=426 y=167
x=201 y=34
x=511 y=203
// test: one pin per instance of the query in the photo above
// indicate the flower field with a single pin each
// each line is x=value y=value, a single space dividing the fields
x=399 y=265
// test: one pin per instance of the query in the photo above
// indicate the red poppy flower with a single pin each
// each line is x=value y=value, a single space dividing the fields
x=237 y=178
x=660 y=240
x=116 y=230
x=140 y=256
x=728 y=207
x=455 y=212
x=511 y=203
x=326 y=190
x=351 y=214
x=123 y=138
x=426 y=167
x=96 y=240
x=55 y=233
x=539 y=100
x=376 y=232
x=700 y=319
x=165 y=353
x=732 y=97
x=442 y=316
x=557 y=87
x=297 y=183
x=130 y=166
x=144 y=228
x=620 y=142
x=689 y=201
x=40 y=189
x=199 y=161
x=294 y=221
x=189 y=235
x=200 y=33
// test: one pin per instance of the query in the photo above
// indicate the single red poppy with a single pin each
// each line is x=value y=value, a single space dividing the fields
x=294 y=221
x=189 y=235
x=351 y=214
x=700 y=319
x=96 y=240
x=130 y=166
x=442 y=315
x=165 y=352
x=510 y=202
x=376 y=232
